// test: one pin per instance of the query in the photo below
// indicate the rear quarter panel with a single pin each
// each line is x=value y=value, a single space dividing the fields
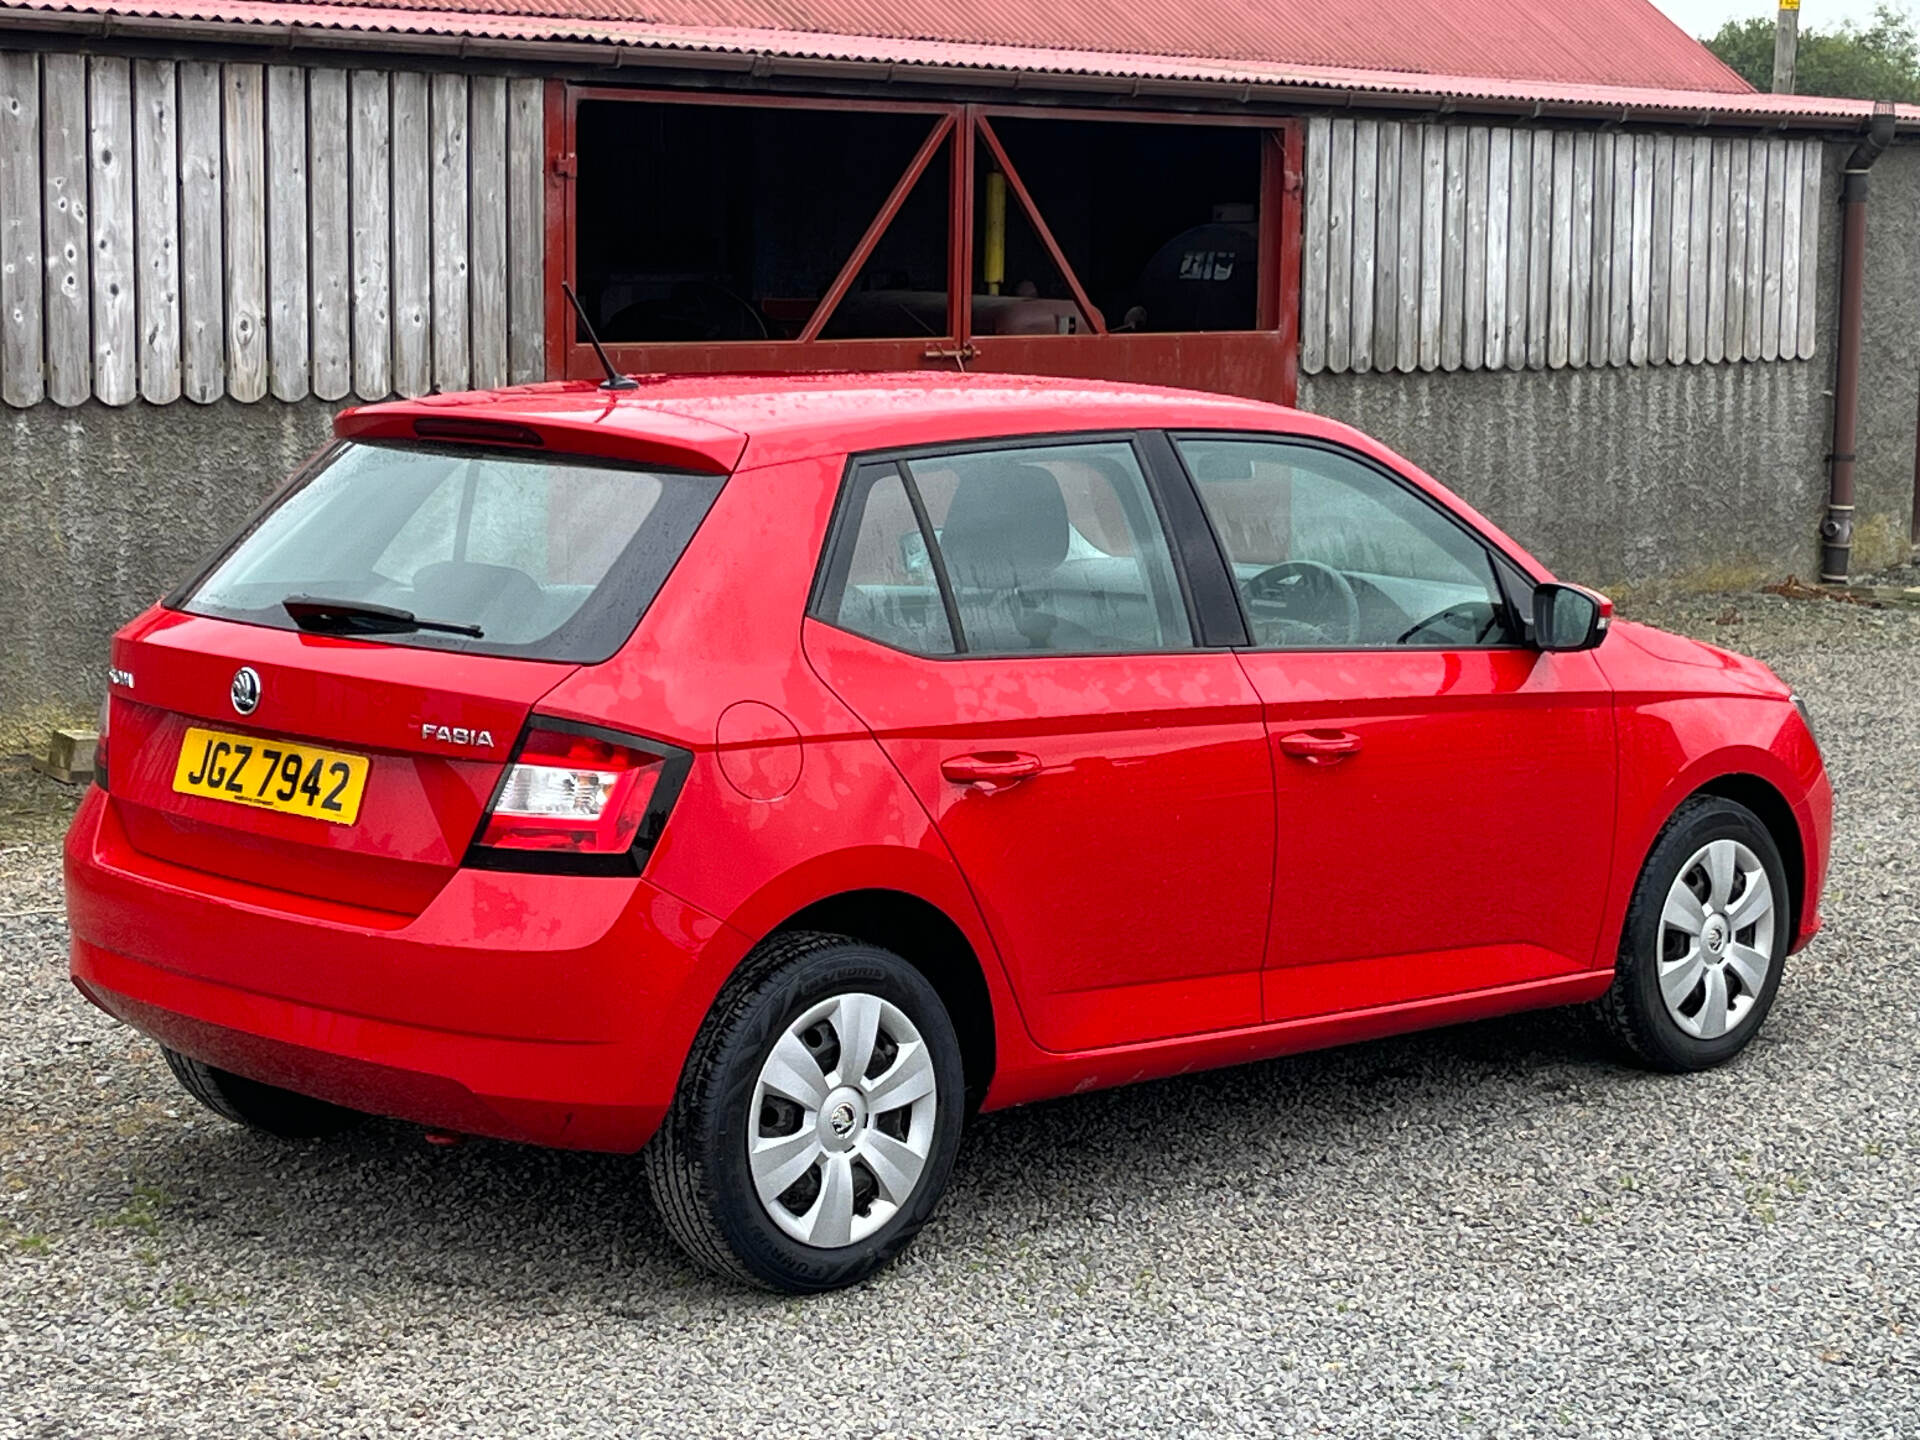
x=797 y=802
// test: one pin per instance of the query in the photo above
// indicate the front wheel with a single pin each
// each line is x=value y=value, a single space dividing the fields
x=817 y=1118
x=1705 y=940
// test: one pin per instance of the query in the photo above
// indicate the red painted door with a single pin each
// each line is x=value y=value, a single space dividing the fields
x=1123 y=859
x=1445 y=792
x=1012 y=627
x=1461 y=843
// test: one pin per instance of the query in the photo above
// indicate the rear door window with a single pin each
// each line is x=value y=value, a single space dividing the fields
x=552 y=558
x=885 y=587
x=1056 y=548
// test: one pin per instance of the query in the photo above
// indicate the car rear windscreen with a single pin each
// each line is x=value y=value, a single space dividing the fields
x=549 y=558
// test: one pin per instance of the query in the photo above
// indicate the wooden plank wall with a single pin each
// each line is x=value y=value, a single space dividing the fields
x=192 y=229
x=1455 y=246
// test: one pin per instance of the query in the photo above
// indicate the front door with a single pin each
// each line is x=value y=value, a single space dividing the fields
x=1011 y=624
x=1445 y=792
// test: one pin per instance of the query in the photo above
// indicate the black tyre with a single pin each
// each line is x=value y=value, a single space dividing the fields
x=816 y=1120
x=266 y=1108
x=1705 y=940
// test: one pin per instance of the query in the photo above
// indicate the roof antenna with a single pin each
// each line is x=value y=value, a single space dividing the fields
x=615 y=380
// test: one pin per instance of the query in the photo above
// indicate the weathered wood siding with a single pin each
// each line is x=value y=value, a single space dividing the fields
x=197 y=229
x=1453 y=246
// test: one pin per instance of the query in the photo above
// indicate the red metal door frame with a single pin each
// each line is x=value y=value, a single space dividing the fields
x=571 y=358
x=856 y=262
x=1040 y=227
x=1263 y=362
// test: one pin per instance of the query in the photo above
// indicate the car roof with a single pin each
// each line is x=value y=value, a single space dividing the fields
x=753 y=420
x=722 y=423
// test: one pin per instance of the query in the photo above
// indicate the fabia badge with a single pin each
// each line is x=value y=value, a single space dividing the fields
x=245 y=693
x=456 y=735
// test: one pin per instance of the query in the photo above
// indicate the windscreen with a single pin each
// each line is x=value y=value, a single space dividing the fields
x=550 y=558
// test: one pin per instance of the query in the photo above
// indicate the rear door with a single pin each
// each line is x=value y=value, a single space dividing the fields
x=352 y=760
x=1011 y=623
x=1445 y=791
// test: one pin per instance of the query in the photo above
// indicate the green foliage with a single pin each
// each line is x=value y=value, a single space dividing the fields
x=1880 y=61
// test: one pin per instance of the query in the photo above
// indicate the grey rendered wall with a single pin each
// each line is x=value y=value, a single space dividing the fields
x=1889 y=360
x=1696 y=474
x=1701 y=473
x=101 y=510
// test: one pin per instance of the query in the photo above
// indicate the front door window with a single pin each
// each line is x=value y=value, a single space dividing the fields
x=1328 y=552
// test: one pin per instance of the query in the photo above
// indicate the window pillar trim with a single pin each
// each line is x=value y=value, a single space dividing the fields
x=934 y=557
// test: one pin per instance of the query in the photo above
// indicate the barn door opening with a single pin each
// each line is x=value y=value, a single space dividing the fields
x=755 y=232
x=1133 y=247
x=734 y=233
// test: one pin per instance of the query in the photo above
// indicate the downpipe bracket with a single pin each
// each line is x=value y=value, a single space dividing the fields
x=1836 y=544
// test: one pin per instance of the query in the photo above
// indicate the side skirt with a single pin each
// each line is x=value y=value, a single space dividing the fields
x=1043 y=1076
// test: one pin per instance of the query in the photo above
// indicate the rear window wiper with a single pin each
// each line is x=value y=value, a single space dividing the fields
x=358 y=617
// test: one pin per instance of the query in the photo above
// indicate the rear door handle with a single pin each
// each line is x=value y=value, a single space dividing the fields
x=991 y=769
x=1320 y=747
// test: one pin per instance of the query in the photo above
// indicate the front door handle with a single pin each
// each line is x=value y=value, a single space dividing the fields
x=991 y=769
x=1320 y=747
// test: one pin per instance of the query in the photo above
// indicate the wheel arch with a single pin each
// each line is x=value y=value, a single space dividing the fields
x=930 y=940
x=1775 y=812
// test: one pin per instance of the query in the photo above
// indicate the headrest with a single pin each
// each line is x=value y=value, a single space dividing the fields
x=468 y=590
x=1006 y=527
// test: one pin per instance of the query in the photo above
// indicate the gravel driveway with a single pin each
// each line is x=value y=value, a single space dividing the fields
x=1489 y=1230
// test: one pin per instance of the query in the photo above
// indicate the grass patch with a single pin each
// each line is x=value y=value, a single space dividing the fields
x=142 y=1211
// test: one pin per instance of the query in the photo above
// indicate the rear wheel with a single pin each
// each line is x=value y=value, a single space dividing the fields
x=1705 y=939
x=816 y=1121
x=266 y=1108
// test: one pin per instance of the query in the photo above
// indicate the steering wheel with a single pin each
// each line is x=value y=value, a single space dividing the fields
x=1308 y=593
x=1459 y=616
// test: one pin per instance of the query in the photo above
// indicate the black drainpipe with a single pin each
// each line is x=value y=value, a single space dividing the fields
x=1913 y=531
x=1836 y=531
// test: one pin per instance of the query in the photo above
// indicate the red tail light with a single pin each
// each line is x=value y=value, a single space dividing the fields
x=576 y=793
x=100 y=745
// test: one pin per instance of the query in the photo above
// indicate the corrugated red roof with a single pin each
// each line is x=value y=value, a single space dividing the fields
x=1592 y=42
x=1605 y=56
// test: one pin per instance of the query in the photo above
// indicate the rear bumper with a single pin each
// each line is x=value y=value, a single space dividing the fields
x=555 y=1010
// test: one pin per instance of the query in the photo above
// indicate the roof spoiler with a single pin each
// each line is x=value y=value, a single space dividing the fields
x=644 y=436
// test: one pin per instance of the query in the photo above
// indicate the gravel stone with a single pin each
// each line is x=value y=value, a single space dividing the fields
x=1489 y=1230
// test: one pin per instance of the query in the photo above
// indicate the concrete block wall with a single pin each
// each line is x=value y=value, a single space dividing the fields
x=102 y=510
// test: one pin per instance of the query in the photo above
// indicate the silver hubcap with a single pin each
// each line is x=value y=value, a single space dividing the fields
x=1716 y=939
x=842 y=1120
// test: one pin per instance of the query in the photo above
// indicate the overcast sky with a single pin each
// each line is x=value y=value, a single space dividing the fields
x=1703 y=17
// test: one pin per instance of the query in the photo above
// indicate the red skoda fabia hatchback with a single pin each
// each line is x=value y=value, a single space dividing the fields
x=764 y=774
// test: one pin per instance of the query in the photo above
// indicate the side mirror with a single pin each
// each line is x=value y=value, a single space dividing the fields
x=1567 y=617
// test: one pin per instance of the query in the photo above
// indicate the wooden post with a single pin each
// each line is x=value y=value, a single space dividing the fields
x=1786 y=40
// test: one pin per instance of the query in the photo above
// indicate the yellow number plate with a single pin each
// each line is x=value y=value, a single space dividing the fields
x=271 y=775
